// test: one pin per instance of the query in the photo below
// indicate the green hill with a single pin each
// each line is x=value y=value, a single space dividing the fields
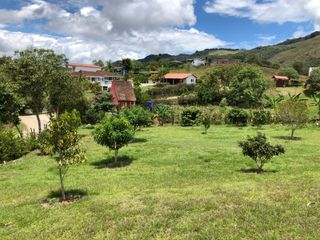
x=305 y=50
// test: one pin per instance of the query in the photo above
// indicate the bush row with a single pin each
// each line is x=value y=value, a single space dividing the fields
x=189 y=116
x=170 y=90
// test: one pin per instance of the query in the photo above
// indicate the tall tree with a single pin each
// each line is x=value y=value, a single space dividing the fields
x=31 y=71
x=127 y=64
x=66 y=93
x=247 y=88
x=10 y=106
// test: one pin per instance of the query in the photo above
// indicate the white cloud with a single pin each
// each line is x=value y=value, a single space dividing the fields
x=138 y=45
x=300 y=32
x=105 y=29
x=277 y=11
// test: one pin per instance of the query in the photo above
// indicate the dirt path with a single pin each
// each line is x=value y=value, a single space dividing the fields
x=31 y=122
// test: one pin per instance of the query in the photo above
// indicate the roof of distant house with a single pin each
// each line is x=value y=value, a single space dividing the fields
x=280 y=77
x=84 y=65
x=177 y=75
x=94 y=74
x=124 y=91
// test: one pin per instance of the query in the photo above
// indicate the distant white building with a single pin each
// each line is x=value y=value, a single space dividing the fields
x=311 y=69
x=94 y=74
x=198 y=62
x=177 y=78
x=75 y=67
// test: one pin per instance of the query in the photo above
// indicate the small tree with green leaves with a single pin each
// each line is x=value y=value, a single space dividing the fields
x=65 y=142
x=259 y=150
x=114 y=132
x=293 y=113
x=205 y=119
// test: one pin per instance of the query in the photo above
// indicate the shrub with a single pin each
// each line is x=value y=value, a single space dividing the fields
x=137 y=116
x=163 y=113
x=261 y=117
x=44 y=143
x=259 y=150
x=217 y=117
x=170 y=90
x=190 y=99
x=189 y=116
x=11 y=146
x=93 y=116
x=237 y=116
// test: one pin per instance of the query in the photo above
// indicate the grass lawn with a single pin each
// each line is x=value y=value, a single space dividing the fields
x=176 y=184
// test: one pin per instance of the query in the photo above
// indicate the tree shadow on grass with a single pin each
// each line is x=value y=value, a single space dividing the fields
x=71 y=195
x=256 y=171
x=123 y=161
x=139 y=140
x=288 y=138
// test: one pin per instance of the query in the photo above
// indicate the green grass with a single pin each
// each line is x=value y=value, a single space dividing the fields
x=180 y=184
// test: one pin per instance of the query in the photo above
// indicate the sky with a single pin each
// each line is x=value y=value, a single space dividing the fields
x=87 y=30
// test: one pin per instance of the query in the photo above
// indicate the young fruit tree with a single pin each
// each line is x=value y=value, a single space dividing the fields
x=260 y=150
x=205 y=119
x=293 y=113
x=114 y=132
x=65 y=142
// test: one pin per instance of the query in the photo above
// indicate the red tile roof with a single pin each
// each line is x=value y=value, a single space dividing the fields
x=177 y=75
x=123 y=91
x=83 y=65
x=281 y=78
x=94 y=74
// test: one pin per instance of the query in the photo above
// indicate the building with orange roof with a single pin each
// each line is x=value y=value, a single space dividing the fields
x=180 y=78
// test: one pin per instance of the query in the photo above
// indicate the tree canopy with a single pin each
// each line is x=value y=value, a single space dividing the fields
x=247 y=88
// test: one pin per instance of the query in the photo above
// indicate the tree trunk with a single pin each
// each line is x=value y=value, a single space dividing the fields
x=19 y=131
x=63 y=193
x=292 y=132
x=39 y=122
x=116 y=155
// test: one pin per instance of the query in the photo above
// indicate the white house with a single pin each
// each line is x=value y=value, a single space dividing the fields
x=94 y=74
x=198 y=62
x=75 y=67
x=177 y=78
